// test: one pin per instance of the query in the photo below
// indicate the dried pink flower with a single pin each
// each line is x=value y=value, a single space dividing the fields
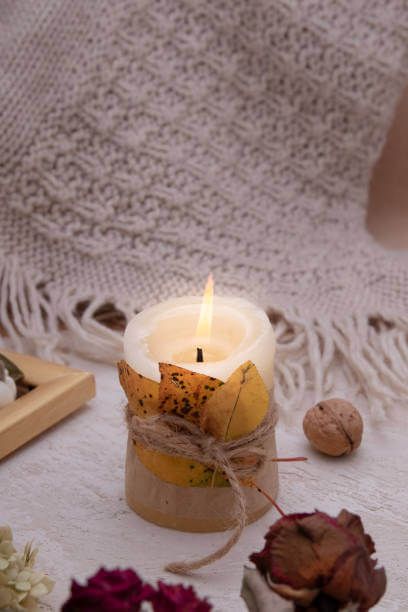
x=308 y=558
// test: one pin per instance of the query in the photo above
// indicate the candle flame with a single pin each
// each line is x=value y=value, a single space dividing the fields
x=206 y=312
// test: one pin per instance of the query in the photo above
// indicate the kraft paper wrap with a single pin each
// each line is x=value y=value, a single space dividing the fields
x=194 y=509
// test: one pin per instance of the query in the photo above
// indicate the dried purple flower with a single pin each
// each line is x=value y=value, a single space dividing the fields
x=109 y=591
x=124 y=591
x=178 y=598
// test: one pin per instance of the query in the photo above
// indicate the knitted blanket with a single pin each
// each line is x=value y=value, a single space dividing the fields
x=145 y=143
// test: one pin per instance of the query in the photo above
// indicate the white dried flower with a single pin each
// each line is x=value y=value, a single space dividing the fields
x=20 y=585
x=8 y=389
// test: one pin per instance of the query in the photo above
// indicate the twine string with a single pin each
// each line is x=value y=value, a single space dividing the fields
x=237 y=459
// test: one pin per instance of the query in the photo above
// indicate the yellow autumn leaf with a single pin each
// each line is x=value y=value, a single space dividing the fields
x=238 y=406
x=179 y=470
x=141 y=392
x=183 y=392
x=179 y=389
x=225 y=410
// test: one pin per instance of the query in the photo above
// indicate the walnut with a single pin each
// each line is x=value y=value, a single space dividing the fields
x=333 y=427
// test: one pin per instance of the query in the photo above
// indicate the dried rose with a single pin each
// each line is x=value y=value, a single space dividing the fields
x=124 y=591
x=311 y=558
x=178 y=598
x=109 y=591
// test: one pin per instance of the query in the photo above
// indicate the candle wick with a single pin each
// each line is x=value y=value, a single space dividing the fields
x=200 y=356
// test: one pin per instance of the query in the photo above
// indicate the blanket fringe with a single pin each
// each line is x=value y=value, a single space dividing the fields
x=358 y=356
x=38 y=320
x=362 y=355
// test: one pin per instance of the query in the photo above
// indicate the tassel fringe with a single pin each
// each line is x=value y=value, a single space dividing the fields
x=359 y=355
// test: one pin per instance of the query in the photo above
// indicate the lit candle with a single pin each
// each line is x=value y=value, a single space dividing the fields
x=230 y=331
x=221 y=338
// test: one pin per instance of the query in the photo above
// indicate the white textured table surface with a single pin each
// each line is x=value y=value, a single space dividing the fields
x=65 y=491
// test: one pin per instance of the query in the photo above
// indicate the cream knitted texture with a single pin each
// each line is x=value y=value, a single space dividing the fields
x=146 y=143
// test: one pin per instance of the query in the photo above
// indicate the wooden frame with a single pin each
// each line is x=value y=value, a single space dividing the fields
x=59 y=391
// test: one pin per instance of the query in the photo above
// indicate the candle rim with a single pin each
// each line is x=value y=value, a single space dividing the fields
x=141 y=330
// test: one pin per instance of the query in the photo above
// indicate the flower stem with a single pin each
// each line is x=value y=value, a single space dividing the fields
x=254 y=485
x=289 y=459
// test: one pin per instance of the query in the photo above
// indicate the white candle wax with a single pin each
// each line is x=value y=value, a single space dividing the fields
x=167 y=333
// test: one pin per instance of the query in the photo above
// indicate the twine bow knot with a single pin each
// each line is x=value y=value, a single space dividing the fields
x=237 y=460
